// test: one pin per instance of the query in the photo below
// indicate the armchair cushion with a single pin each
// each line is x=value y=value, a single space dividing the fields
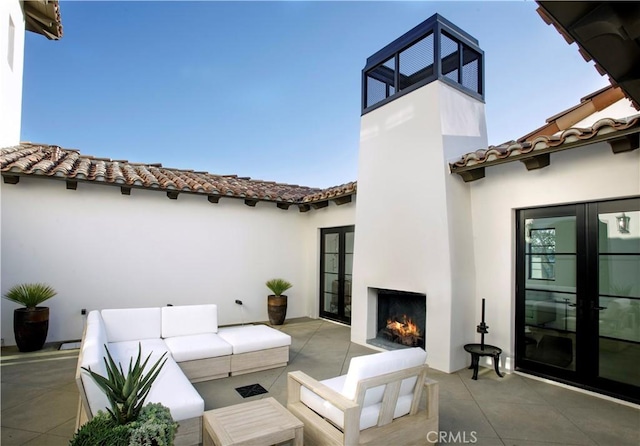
x=185 y=320
x=377 y=364
x=362 y=367
x=368 y=416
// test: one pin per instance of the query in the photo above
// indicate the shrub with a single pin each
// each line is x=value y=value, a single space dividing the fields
x=101 y=430
x=154 y=427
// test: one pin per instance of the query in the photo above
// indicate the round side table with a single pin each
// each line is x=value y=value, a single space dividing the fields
x=478 y=350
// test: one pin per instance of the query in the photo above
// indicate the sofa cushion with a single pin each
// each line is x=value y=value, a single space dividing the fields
x=132 y=324
x=199 y=346
x=377 y=364
x=170 y=388
x=123 y=351
x=173 y=389
x=95 y=338
x=93 y=353
x=251 y=338
x=185 y=320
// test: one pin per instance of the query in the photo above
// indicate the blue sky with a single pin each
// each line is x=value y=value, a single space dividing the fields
x=269 y=90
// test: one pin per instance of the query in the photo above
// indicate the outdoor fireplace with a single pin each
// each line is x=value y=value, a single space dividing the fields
x=401 y=319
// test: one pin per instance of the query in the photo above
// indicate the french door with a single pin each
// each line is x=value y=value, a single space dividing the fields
x=578 y=295
x=336 y=267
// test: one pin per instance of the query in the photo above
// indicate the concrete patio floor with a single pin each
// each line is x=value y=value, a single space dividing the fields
x=40 y=399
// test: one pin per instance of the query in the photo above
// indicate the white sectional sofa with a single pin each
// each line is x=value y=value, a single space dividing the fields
x=197 y=350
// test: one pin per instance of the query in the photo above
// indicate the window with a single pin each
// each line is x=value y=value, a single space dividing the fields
x=542 y=258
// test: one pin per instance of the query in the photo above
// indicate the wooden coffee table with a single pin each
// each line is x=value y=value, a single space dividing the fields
x=259 y=422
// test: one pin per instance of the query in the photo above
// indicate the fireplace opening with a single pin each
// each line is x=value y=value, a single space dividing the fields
x=401 y=319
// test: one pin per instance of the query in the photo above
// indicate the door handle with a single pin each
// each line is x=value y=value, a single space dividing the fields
x=599 y=308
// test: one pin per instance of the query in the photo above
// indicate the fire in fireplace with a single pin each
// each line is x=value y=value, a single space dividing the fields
x=401 y=319
x=403 y=332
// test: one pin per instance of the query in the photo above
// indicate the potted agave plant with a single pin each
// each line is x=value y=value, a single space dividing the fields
x=277 y=302
x=30 y=323
x=129 y=421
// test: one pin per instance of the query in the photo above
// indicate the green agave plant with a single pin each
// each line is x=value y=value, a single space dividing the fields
x=278 y=286
x=30 y=294
x=126 y=393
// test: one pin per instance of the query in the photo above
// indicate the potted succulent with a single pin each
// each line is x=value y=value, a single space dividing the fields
x=31 y=323
x=128 y=421
x=277 y=302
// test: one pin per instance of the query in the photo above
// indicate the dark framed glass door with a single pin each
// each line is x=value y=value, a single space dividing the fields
x=336 y=268
x=615 y=306
x=578 y=295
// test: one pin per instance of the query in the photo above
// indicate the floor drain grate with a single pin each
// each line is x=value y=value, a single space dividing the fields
x=251 y=390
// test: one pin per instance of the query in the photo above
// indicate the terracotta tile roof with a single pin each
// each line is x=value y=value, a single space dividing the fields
x=332 y=193
x=43 y=17
x=566 y=119
x=607 y=128
x=54 y=162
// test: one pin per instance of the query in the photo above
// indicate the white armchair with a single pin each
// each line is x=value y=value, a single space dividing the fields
x=378 y=401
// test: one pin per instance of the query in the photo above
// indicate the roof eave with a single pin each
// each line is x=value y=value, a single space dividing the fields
x=536 y=155
x=607 y=33
x=43 y=17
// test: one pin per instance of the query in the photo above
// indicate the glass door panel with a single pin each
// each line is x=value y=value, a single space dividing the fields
x=336 y=267
x=348 y=271
x=618 y=307
x=550 y=301
x=331 y=272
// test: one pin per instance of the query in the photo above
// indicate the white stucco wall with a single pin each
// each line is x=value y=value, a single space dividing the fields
x=589 y=173
x=11 y=74
x=100 y=249
x=412 y=231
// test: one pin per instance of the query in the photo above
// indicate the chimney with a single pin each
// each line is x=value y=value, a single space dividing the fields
x=422 y=106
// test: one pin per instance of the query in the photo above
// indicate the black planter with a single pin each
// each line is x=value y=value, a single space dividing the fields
x=30 y=327
x=277 y=309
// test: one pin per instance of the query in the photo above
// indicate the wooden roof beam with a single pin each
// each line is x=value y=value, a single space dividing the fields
x=537 y=162
x=625 y=144
x=10 y=179
x=342 y=200
x=472 y=175
x=320 y=204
